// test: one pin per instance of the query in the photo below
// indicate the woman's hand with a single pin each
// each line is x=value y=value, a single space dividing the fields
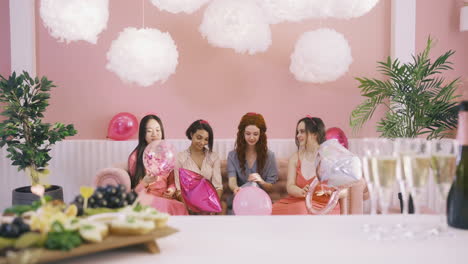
x=255 y=177
x=303 y=192
x=169 y=193
x=148 y=179
x=178 y=196
x=236 y=190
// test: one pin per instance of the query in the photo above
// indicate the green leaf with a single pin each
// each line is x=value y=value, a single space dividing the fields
x=418 y=99
x=26 y=137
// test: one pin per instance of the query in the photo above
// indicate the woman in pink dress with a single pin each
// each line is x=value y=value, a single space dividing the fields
x=310 y=133
x=157 y=191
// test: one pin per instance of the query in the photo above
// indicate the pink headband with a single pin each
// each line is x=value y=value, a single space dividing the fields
x=204 y=122
x=252 y=114
x=309 y=116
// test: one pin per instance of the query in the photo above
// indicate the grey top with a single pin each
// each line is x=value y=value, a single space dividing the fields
x=269 y=174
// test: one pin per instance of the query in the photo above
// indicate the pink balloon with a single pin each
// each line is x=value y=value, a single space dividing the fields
x=198 y=193
x=252 y=200
x=159 y=158
x=122 y=126
x=337 y=133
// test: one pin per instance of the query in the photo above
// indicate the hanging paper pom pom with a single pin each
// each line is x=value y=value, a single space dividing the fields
x=320 y=56
x=237 y=24
x=347 y=8
x=177 y=6
x=143 y=56
x=74 y=20
x=278 y=11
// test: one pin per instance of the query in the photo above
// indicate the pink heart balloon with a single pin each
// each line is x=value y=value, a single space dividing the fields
x=122 y=126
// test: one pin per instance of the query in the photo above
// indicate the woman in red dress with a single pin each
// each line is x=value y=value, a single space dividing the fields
x=310 y=133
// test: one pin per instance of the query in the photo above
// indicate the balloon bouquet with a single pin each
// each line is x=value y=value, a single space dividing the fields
x=337 y=169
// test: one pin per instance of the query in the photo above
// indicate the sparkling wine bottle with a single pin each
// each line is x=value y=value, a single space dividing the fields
x=457 y=202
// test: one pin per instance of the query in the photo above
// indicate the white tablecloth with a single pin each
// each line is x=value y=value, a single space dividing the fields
x=290 y=240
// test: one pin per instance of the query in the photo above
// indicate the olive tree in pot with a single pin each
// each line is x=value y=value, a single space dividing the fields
x=24 y=100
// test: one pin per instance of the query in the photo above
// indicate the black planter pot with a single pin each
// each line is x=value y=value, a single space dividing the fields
x=23 y=195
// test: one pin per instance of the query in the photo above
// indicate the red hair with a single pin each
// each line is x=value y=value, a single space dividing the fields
x=261 y=146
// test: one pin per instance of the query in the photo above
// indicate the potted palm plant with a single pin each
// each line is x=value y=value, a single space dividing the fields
x=29 y=140
x=418 y=99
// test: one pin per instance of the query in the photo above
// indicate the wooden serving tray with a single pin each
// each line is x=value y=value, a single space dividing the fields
x=110 y=242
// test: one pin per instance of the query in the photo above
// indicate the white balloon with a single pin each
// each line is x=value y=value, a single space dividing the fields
x=177 y=6
x=143 y=56
x=74 y=20
x=320 y=56
x=237 y=24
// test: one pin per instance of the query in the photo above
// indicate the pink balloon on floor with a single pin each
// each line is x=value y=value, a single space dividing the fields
x=122 y=126
x=252 y=200
x=337 y=133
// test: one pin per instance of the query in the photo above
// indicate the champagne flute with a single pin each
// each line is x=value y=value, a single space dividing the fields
x=416 y=157
x=444 y=164
x=385 y=170
x=367 y=149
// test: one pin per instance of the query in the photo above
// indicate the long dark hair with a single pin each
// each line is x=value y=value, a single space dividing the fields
x=313 y=125
x=201 y=124
x=140 y=148
x=261 y=147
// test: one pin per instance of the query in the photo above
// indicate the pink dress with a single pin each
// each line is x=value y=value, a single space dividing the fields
x=297 y=206
x=153 y=194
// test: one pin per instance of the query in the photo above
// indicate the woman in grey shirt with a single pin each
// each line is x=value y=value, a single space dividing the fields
x=251 y=161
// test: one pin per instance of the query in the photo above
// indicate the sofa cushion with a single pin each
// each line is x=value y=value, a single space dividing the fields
x=112 y=176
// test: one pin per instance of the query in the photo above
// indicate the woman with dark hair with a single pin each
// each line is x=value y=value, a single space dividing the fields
x=151 y=129
x=251 y=161
x=310 y=133
x=199 y=157
x=161 y=187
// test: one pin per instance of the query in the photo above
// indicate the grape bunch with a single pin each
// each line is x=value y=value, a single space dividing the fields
x=109 y=196
x=14 y=229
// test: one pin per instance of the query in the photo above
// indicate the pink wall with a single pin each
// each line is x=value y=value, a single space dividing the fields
x=5 y=61
x=441 y=20
x=220 y=85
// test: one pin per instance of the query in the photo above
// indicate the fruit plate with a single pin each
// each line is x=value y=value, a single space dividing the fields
x=110 y=242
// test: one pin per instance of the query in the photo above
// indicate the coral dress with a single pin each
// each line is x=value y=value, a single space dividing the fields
x=297 y=206
x=153 y=194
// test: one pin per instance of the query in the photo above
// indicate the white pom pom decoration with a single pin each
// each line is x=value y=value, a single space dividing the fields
x=320 y=56
x=237 y=24
x=74 y=20
x=347 y=8
x=278 y=11
x=143 y=56
x=178 y=6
